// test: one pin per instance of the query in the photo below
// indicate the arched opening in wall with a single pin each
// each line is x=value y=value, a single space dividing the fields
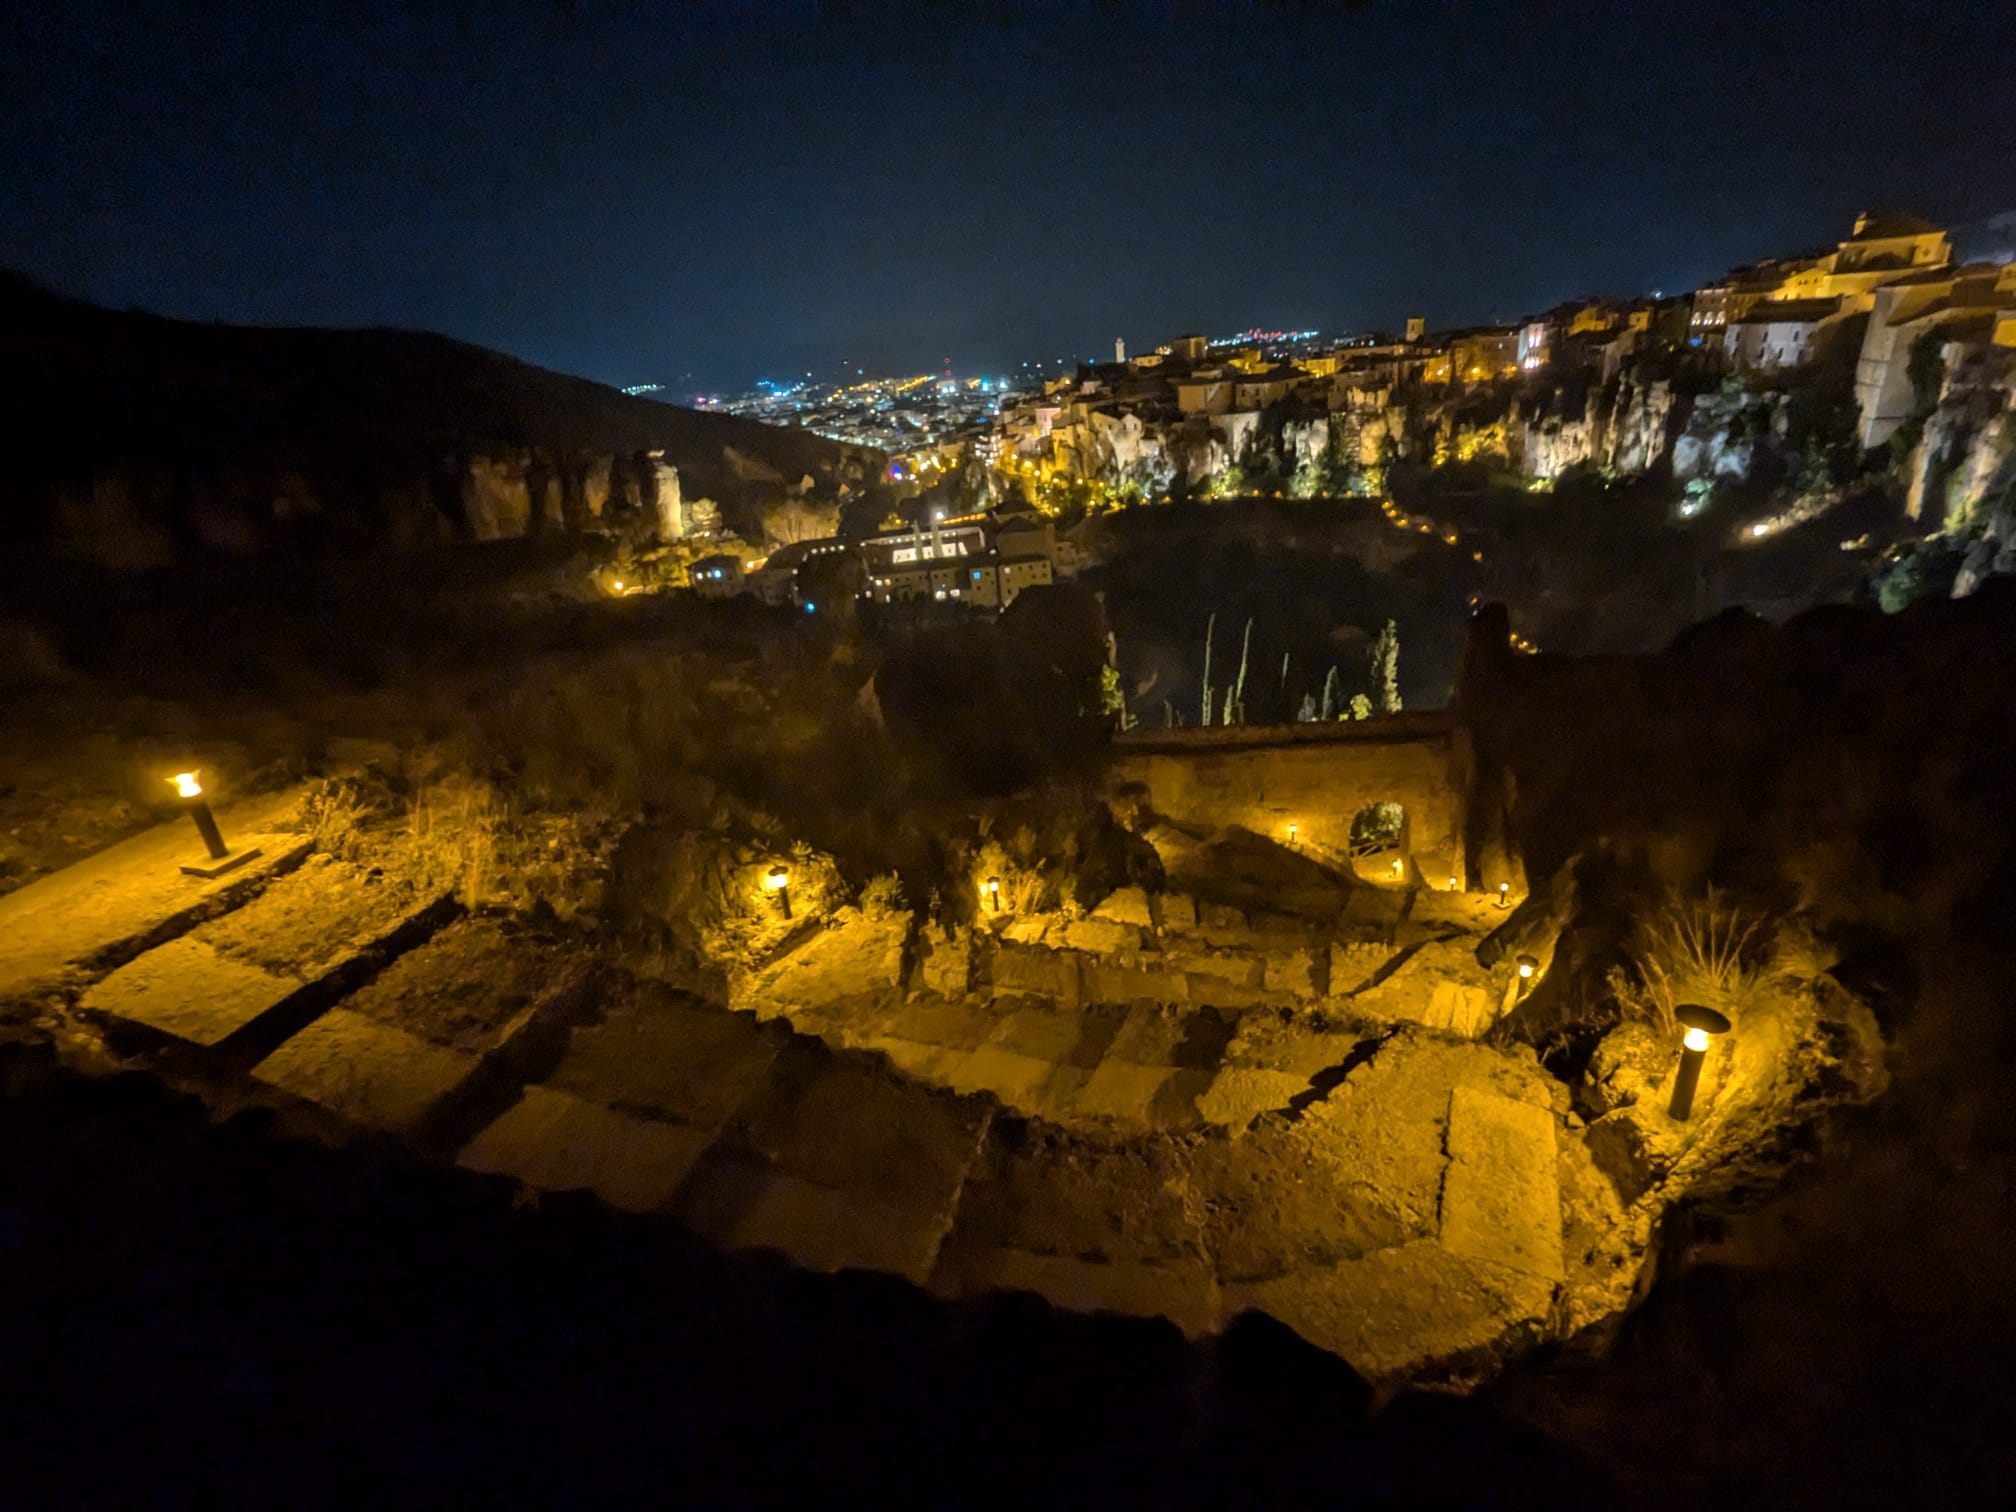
x=1379 y=842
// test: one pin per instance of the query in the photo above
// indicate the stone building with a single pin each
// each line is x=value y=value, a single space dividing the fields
x=1778 y=333
x=1965 y=301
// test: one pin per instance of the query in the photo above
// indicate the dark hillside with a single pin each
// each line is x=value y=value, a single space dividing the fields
x=123 y=417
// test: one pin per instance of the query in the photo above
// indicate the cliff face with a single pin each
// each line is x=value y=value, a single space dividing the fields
x=1626 y=426
x=1623 y=428
x=144 y=439
x=1961 y=476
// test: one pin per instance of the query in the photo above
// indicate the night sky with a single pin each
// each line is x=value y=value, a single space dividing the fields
x=644 y=192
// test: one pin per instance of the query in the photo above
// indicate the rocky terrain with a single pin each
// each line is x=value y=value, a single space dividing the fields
x=1175 y=1068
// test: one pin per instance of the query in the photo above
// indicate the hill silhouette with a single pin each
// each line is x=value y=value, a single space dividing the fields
x=126 y=417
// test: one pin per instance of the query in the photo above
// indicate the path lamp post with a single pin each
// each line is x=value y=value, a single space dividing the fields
x=1699 y=1024
x=190 y=791
x=1524 y=970
x=778 y=881
x=1503 y=889
x=994 y=895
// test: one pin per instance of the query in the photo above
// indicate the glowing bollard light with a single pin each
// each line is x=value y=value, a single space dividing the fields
x=1700 y=1023
x=1293 y=831
x=1453 y=884
x=221 y=857
x=1519 y=983
x=190 y=791
x=1504 y=888
x=1399 y=868
x=994 y=895
x=778 y=881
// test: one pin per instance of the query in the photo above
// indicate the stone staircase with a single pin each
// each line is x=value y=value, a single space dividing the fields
x=1085 y=1130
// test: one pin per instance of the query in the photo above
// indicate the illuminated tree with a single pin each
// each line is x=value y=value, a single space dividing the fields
x=1112 y=700
x=1385 y=659
x=790 y=520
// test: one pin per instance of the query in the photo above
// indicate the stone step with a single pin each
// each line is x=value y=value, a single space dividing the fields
x=558 y=1141
x=254 y=976
x=367 y=1072
x=1501 y=1199
x=839 y=1163
x=113 y=906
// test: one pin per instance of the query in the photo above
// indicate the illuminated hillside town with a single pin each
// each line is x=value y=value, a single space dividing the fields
x=996 y=483
x=1290 y=813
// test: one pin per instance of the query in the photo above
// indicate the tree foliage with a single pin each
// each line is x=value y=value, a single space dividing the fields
x=1385 y=669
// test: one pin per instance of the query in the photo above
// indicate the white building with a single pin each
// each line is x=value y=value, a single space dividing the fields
x=1777 y=333
x=716 y=577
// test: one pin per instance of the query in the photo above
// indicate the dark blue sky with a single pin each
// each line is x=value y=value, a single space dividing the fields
x=636 y=192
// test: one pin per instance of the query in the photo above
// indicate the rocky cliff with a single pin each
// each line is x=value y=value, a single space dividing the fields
x=143 y=439
x=1961 y=477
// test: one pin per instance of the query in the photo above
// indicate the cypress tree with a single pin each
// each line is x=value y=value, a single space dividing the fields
x=1386 y=669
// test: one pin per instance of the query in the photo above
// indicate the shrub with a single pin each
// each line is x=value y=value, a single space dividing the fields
x=1701 y=950
x=883 y=896
x=333 y=816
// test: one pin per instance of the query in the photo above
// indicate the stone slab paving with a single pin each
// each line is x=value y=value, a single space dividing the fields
x=369 y=1072
x=317 y=918
x=476 y=984
x=1088 y=1225
x=558 y=1142
x=1395 y=1311
x=1237 y=1095
x=1157 y=1097
x=187 y=989
x=927 y=1036
x=743 y=1205
x=131 y=893
x=678 y=1060
x=855 y=956
x=839 y=1163
x=1436 y=983
x=224 y=976
x=1501 y=1200
x=1027 y=1083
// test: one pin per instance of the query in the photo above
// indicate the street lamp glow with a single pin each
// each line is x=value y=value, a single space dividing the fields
x=994 y=895
x=1503 y=889
x=1699 y=1023
x=778 y=881
x=1527 y=966
x=190 y=791
x=1293 y=831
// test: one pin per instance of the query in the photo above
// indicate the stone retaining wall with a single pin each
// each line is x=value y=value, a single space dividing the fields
x=1316 y=777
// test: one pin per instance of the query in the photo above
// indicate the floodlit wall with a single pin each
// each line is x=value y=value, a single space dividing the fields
x=1316 y=777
